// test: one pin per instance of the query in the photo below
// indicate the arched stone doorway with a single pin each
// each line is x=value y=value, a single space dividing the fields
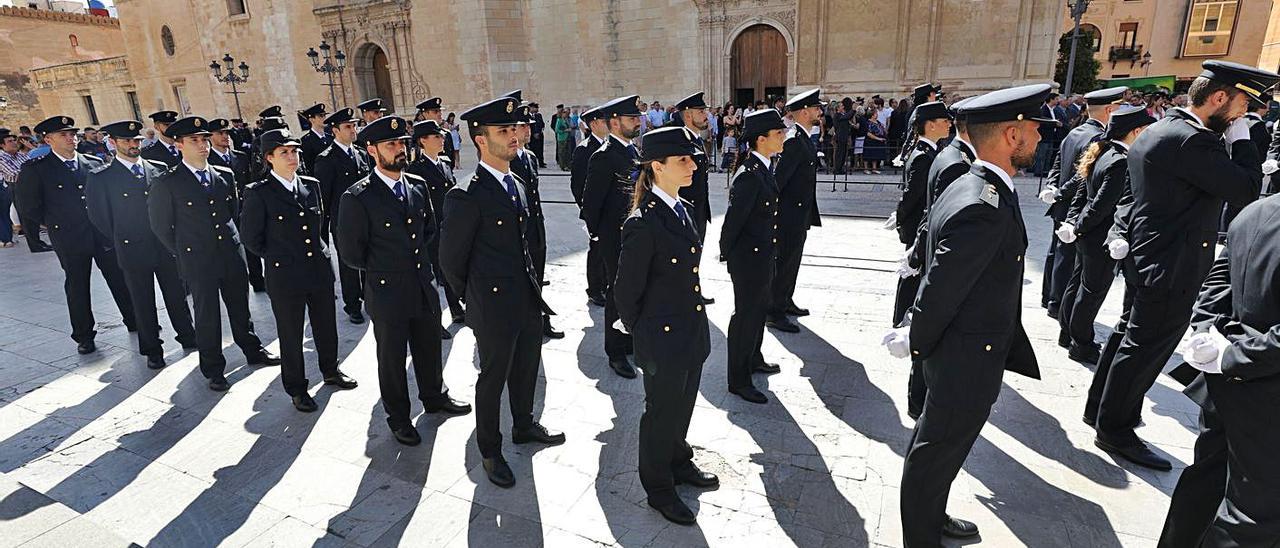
x=758 y=65
x=373 y=76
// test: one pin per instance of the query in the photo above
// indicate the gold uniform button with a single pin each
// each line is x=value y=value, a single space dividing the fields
x=755 y=250
x=126 y=241
x=915 y=352
x=210 y=201
x=308 y=253
x=306 y=241
x=1019 y=258
x=673 y=260
x=388 y=225
x=304 y=227
x=698 y=308
x=987 y=348
x=693 y=249
x=1204 y=244
x=798 y=204
x=59 y=186
x=695 y=270
x=299 y=213
x=499 y=222
x=215 y=214
x=188 y=204
x=415 y=252
x=666 y=328
x=495 y=289
x=409 y=220
x=419 y=265
x=697 y=288
x=413 y=236
x=188 y=250
x=80 y=187
x=219 y=236
x=382 y=282
x=279 y=217
x=126 y=195
x=775 y=240
x=277 y=265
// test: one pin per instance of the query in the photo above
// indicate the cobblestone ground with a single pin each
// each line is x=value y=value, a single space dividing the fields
x=98 y=450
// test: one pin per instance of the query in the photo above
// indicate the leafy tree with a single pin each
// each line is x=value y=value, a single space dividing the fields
x=1085 y=77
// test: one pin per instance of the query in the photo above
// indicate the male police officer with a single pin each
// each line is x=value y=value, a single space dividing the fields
x=797 y=176
x=371 y=110
x=598 y=132
x=163 y=150
x=315 y=140
x=222 y=154
x=193 y=211
x=432 y=166
x=525 y=166
x=116 y=195
x=484 y=253
x=52 y=188
x=338 y=167
x=693 y=112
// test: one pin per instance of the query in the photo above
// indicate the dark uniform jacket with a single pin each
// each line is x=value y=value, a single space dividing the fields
x=337 y=171
x=912 y=205
x=439 y=178
x=969 y=308
x=797 y=177
x=387 y=239
x=658 y=291
x=698 y=192
x=285 y=229
x=54 y=196
x=578 y=166
x=1063 y=172
x=952 y=161
x=1180 y=174
x=118 y=207
x=239 y=165
x=159 y=152
x=196 y=224
x=485 y=255
x=750 y=230
x=526 y=168
x=312 y=146
x=606 y=198
x=1104 y=188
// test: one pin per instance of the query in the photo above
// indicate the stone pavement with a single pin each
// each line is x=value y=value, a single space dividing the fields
x=98 y=450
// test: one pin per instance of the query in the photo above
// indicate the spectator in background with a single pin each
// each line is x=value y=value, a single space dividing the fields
x=92 y=144
x=452 y=126
x=875 y=147
x=574 y=120
x=11 y=160
x=898 y=124
x=657 y=116
x=779 y=104
x=1048 y=136
x=645 y=125
x=563 y=127
x=842 y=124
x=712 y=141
x=148 y=137
x=729 y=149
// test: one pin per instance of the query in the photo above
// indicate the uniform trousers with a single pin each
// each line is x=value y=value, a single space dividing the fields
x=595 y=269
x=1096 y=271
x=291 y=310
x=670 y=391
x=142 y=290
x=1058 y=266
x=78 y=269
x=616 y=343
x=1200 y=488
x=783 y=287
x=420 y=336
x=253 y=264
x=1250 y=512
x=508 y=358
x=231 y=282
x=1108 y=354
x=746 y=325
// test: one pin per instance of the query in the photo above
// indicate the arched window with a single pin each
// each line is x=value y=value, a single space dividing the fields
x=1093 y=31
x=75 y=42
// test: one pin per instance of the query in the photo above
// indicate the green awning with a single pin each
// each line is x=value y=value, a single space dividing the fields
x=1144 y=84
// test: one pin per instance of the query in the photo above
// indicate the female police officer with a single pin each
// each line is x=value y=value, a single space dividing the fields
x=659 y=300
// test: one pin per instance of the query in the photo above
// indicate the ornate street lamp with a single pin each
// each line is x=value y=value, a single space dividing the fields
x=333 y=64
x=231 y=77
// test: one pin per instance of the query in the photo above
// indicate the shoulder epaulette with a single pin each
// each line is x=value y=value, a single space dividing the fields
x=99 y=169
x=416 y=178
x=255 y=185
x=309 y=178
x=990 y=196
x=465 y=184
x=358 y=187
x=445 y=159
x=157 y=164
x=325 y=152
x=223 y=169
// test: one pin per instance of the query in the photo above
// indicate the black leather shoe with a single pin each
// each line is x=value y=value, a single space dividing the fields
x=783 y=324
x=1084 y=354
x=219 y=384
x=407 y=435
x=1091 y=421
x=446 y=405
x=265 y=359
x=155 y=362
x=750 y=394
x=499 y=472
x=259 y=289
x=1053 y=311
x=675 y=512
x=460 y=318
x=958 y=528
x=768 y=368
x=445 y=334
x=913 y=414
x=797 y=311
x=596 y=300
x=550 y=332
x=536 y=433
x=1137 y=453
x=697 y=478
x=623 y=368
x=1064 y=339
x=341 y=380
x=305 y=403
x=708 y=300
x=86 y=347
x=355 y=317
x=42 y=249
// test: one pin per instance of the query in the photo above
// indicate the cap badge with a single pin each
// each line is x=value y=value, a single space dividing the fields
x=65 y=121
x=395 y=124
x=1019 y=117
x=196 y=122
x=133 y=127
x=510 y=106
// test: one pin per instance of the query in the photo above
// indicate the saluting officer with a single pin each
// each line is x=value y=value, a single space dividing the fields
x=337 y=167
x=484 y=253
x=797 y=178
x=116 y=195
x=384 y=228
x=193 y=211
x=1181 y=172
x=371 y=110
x=53 y=195
x=1261 y=137
x=525 y=166
x=429 y=109
x=281 y=222
x=748 y=240
x=315 y=140
x=660 y=304
x=163 y=149
x=966 y=324
x=222 y=154
x=606 y=199
x=598 y=132
x=433 y=167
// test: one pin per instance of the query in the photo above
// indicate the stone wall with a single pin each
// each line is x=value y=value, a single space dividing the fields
x=36 y=38
x=62 y=90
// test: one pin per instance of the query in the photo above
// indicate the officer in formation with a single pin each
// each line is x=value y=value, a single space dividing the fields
x=430 y=109
x=797 y=177
x=606 y=201
x=268 y=119
x=748 y=241
x=484 y=252
x=1261 y=137
x=598 y=132
x=973 y=277
x=221 y=154
x=315 y=140
x=53 y=195
x=116 y=194
x=163 y=149
x=193 y=211
x=1181 y=170
x=693 y=114
x=337 y=167
x=434 y=168
x=371 y=110
x=385 y=225
x=281 y=222
x=660 y=305
x=525 y=167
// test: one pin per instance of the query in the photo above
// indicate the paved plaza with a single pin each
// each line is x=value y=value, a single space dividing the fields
x=99 y=451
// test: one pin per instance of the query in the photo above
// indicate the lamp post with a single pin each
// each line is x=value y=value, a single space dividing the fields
x=1077 y=11
x=231 y=77
x=332 y=65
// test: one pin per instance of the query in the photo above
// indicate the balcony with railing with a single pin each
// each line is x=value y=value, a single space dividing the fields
x=1130 y=53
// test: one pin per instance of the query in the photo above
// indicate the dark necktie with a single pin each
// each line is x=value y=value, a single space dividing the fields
x=400 y=191
x=631 y=149
x=683 y=215
x=137 y=171
x=204 y=180
x=172 y=149
x=71 y=164
x=226 y=158
x=513 y=191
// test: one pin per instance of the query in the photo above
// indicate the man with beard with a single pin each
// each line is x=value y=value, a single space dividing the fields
x=164 y=150
x=1181 y=170
x=221 y=154
x=432 y=166
x=797 y=176
x=485 y=254
x=606 y=201
x=966 y=324
x=599 y=131
x=384 y=228
x=525 y=166
x=116 y=201
x=337 y=168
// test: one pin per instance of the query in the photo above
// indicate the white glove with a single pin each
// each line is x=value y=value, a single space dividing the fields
x=1049 y=194
x=1270 y=166
x=617 y=324
x=1066 y=232
x=1119 y=248
x=904 y=266
x=892 y=222
x=897 y=343
x=1238 y=130
x=1203 y=351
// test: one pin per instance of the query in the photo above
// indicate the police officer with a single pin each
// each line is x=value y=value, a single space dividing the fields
x=1181 y=172
x=371 y=110
x=659 y=302
x=270 y=118
x=693 y=114
x=281 y=222
x=525 y=166
x=116 y=194
x=432 y=166
x=163 y=149
x=966 y=323
x=484 y=253
x=797 y=178
x=338 y=167
x=429 y=109
x=52 y=194
x=748 y=240
x=221 y=153
x=315 y=140
x=193 y=211
x=606 y=199
x=1261 y=137
x=598 y=132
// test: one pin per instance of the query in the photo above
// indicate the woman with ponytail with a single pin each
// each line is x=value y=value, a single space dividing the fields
x=659 y=300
